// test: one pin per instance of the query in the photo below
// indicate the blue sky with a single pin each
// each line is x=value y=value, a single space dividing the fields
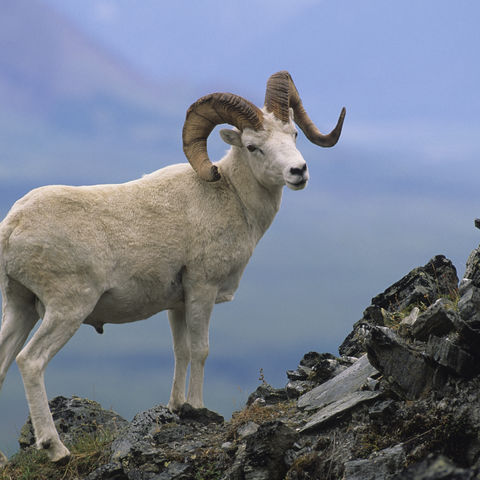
x=399 y=188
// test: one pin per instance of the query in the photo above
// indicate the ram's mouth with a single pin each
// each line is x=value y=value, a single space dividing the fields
x=296 y=185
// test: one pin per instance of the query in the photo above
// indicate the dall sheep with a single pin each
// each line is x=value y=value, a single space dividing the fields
x=177 y=239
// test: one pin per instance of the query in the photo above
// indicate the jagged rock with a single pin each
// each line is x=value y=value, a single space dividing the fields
x=110 y=471
x=412 y=317
x=439 y=319
x=296 y=388
x=446 y=353
x=381 y=411
x=354 y=343
x=350 y=380
x=141 y=430
x=318 y=367
x=339 y=407
x=200 y=415
x=315 y=369
x=270 y=395
x=159 y=444
x=75 y=417
x=421 y=286
x=173 y=471
x=265 y=452
x=383 y=465
x=469 y=304
x=472 y=270
x=436 y=467
x=247 y=429
x=406 y=368
x=469 y=338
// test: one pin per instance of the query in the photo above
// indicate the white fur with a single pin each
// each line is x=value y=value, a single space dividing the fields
x=120 y=253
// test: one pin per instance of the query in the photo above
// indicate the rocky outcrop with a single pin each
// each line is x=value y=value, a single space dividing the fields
x=76 y=417
x=401 y=402
x=419 y=288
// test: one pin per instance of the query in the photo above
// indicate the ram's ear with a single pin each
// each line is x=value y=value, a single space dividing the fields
x=232 y=137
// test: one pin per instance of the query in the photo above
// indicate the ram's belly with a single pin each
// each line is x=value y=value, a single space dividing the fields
x=132 y=302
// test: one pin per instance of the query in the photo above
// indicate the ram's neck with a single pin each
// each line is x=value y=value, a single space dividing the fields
x=259 y=203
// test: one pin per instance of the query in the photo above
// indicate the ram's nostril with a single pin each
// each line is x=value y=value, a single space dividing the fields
x=298 y=171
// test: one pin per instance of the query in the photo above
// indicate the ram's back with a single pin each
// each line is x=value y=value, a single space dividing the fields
x=131 y=243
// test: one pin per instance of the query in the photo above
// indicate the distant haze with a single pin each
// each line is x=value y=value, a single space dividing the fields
x=96 y=92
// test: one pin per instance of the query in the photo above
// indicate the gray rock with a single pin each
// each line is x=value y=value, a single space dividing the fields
x=320 y=367
x=301 y=373
x=354 y=343
x=269 y=394
x=382 y=411
x=235 y=471
x=339 y=407
x=313 y=370
x=412 y=317
x=446 y=353
x=247 y=429
x=297 y=388
x=436 y=467
x=421 y=286
x=469 y=304
x=187 y=413
x=407 y=369
x=265 y=452
x=141 y=430
x=349 y=381
x=439 y=319
x=383 y=465
x=110 y=471
x=75 y=417
x=472 y=270
x=174 y=471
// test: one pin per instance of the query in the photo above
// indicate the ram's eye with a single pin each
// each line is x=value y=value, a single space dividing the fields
x=251 y=148
x=296 y=134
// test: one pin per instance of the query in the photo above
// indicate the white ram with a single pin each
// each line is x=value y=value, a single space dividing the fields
x=177 y=240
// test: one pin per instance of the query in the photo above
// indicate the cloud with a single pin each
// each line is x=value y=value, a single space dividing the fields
x=432 y=142
x=105 y=11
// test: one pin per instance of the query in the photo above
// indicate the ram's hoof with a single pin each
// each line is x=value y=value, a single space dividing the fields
x=62 y=461
x=56 y=451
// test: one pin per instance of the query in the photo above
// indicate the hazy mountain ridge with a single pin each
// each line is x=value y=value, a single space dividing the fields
x=45 y=58
x=64 y=97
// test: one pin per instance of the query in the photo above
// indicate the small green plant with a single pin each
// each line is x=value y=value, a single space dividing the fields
x=262 y=377
x=452 y=299
x=208 y=472
x=88 y=452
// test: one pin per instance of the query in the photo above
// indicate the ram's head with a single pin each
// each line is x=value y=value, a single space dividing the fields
x=268 y=135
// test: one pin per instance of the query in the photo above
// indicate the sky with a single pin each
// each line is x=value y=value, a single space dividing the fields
x=399 y=187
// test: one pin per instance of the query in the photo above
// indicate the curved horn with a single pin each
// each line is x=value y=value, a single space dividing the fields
x=203 y=116
x=282 y=94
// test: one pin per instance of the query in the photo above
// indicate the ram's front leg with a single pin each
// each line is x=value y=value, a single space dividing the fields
x=181 y=350
x=199 y=302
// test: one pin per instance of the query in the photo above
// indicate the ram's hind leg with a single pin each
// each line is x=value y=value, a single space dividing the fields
x=58 y=326
x=18 y=319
